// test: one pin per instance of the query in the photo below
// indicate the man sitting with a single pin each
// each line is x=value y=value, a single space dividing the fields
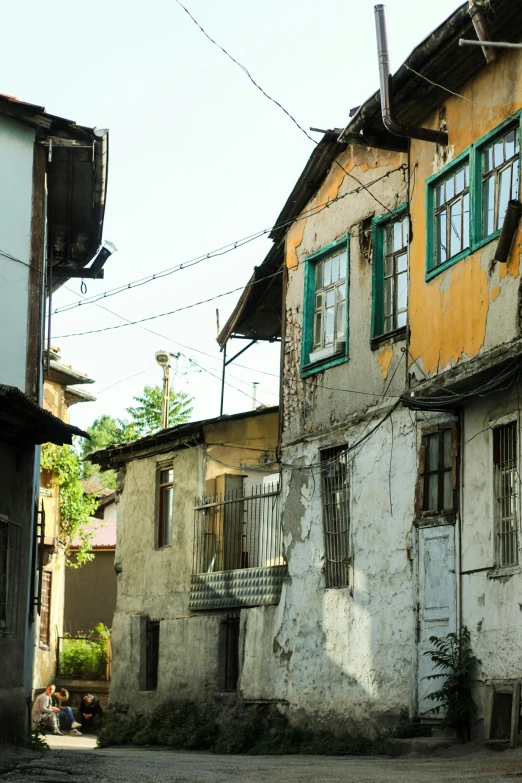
x=43 y=713
x=65 y=712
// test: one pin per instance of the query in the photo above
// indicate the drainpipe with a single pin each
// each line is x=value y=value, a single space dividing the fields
x=387 y=106
x=481 y=28
x=509 y=229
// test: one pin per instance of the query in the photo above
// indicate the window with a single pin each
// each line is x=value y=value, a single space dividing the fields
x=390 y=272
x=336 y=515
x=499 y=168
x=45 y=611
x=451 y=215
x=166 y=499
x=325 y=322
x=505 y=475
x=438 y=471
x=152 y=638
x=10 y=557
x=230 y=628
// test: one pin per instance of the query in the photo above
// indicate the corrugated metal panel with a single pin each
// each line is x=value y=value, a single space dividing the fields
x=228 y=589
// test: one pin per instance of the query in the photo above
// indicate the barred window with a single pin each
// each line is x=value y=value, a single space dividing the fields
x=46 y=608
x=166 y=500
x=505 y=466
x=152 y=641
x=438 y=471
x=335 y=482
x=10 y=545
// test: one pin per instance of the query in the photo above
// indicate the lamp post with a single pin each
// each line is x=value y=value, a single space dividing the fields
x=163 y=359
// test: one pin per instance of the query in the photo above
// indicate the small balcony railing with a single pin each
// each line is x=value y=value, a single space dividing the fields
x=238 y=549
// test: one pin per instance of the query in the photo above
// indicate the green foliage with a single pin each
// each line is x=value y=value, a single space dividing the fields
x=410 y=727
x=76 y=507
x=36 y=741
x=104 y=431
x=453 y=656
x=185 y=727
x=146 y=415
x=84 y=656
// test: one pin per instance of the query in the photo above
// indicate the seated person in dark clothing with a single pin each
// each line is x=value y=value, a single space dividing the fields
x=90 y=713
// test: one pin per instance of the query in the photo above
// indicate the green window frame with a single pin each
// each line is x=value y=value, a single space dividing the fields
x=390 y=265
x=480 y=172
x=324 y=304
x=448 y=208
x=488 y=169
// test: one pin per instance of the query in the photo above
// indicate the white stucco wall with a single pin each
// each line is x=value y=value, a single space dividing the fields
x=16 y=166
x=342 y=657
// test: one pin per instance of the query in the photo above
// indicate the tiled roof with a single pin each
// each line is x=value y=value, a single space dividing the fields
x=104 y=534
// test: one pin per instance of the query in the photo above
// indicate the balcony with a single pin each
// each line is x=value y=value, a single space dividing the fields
x=238 y=554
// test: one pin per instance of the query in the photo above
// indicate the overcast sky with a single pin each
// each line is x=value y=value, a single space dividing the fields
x=198 y=158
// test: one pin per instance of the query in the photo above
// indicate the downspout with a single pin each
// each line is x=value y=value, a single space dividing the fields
x=387 y=106
x=479 y=23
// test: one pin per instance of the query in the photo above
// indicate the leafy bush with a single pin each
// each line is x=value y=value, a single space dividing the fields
x=35 y=741
x=185 y=727
x=83 y=655
x=453 y=656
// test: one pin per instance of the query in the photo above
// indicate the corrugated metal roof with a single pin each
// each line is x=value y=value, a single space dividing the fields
x=23 y=421
x=104 y=534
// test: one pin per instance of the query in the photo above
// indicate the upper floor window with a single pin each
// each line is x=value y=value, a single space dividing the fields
x=390 y=272
x=500 y=170
x=451 y=215
x=166 y=500
x=438 y=471
x=325 y=322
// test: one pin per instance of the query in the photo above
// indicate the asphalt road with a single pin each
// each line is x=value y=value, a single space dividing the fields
x=81 y=764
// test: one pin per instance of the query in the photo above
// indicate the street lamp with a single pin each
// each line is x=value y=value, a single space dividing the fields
x=163 y=359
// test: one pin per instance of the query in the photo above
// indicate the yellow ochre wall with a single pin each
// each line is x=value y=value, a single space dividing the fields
x=473 y=305
x=242 y=443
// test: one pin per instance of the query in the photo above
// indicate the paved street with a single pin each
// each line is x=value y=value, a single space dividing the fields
x=80 y=763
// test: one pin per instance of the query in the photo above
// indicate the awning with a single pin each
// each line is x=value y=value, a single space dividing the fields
x=24 y=423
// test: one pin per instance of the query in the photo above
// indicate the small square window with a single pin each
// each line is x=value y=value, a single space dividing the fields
x=165 y=506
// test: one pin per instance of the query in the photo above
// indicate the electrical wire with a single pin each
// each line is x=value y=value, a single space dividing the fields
x=228 y=248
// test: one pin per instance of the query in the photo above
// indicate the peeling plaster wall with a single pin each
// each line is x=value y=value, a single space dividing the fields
x=342 y=657
x=491 y=607
x=307 y=407
x=474 y=305
x=156 y=582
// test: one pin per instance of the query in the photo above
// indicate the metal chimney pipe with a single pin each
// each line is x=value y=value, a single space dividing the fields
x=509 y=228
x=481 y=28
x=387 y=106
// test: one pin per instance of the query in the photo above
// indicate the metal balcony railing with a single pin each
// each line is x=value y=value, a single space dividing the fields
x=237 y=531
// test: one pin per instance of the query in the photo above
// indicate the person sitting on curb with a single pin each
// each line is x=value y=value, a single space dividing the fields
x=43 y=713
x=59 y=697
x=90 y=713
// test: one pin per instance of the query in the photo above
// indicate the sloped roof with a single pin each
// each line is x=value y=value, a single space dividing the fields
x=104 y=534
x=23 y=421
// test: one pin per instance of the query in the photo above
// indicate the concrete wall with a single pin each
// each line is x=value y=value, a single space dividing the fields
x=474 y=305
x=90 y=594
x=16 y=168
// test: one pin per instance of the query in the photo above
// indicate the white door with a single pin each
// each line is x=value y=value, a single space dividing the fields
x=437 y=603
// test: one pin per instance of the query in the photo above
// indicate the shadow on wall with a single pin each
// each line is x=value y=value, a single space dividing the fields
x=14 y=712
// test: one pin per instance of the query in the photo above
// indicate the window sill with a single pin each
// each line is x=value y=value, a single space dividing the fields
x=389 y=337
x=44 y=647
x=431 y=273
x=498 y=573
x=481 y=242
x=434 y=519
x=160 y=548
x=324 y=364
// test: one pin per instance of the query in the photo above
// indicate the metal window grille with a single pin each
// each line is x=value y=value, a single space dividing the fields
x=152 y=654
x=166 y=501
x=500 y=179
x=438 y=477
x=452 y=215
x=396 y=239
x=231 y=627
x=335 y=480
x=330 y=300
x=45 y=611
x=10 y=557
x=235 y=531
x=505 y=464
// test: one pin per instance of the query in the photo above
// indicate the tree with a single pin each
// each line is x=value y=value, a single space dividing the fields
x=76 y=507
x=146 y=416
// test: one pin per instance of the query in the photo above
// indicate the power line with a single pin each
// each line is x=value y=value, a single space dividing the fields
x=228 y=248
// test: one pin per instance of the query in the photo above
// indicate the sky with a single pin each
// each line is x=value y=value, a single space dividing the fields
x=198 y=159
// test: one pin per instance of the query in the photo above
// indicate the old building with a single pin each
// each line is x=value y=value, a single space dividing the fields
x=198 y=549
x=51 y=220
x=60 y=392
